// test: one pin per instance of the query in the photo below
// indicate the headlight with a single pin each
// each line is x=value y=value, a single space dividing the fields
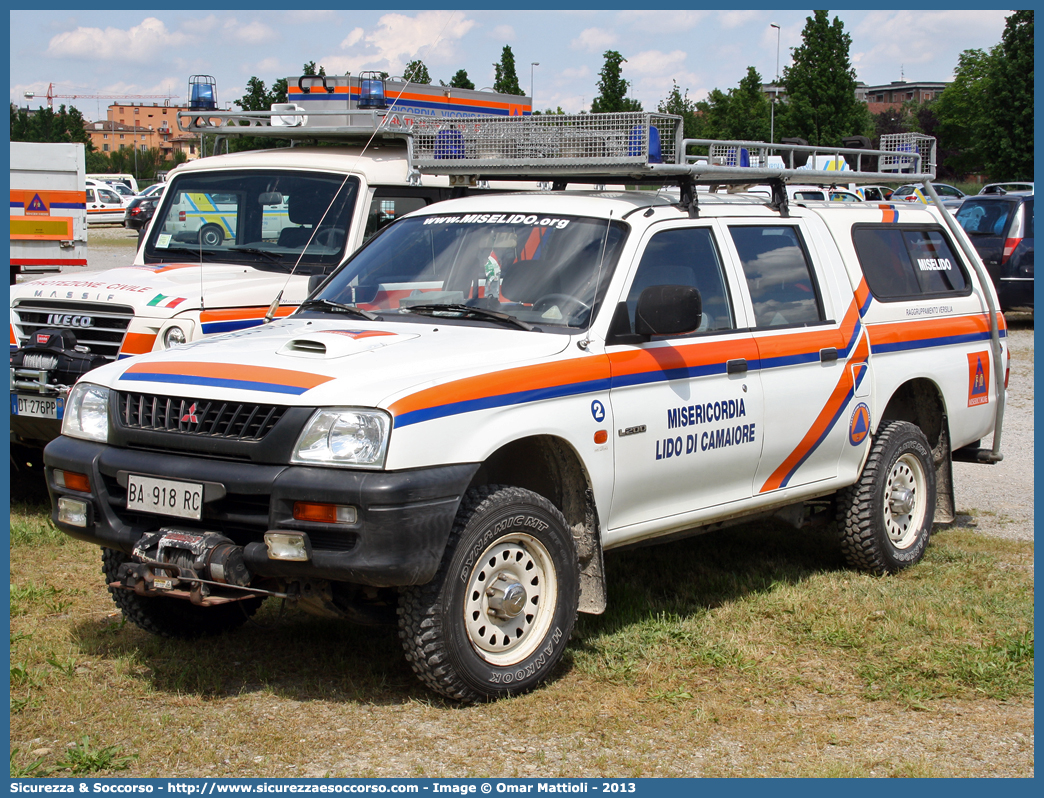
x=174 y=336
x=344 y=436
x=87 y=412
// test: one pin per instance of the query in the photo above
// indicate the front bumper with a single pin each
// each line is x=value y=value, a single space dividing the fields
x=34 y=432
x=404 y=517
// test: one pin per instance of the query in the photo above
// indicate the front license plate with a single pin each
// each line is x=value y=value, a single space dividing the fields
x=164 y=496
x=37 y=406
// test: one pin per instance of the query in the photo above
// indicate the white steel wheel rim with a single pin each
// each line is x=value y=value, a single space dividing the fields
x=499 y=634
x=904 y=504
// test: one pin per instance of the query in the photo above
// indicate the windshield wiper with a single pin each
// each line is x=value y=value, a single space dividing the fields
x=199 y=253
x=329 y=304
x=470 y=312
x=257 y=251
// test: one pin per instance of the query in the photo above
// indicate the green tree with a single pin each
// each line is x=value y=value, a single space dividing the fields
x=820 y=84
x=961 y=110
x=612 y=88
x=416 y=72
x=506 y=79
x=748 y=110
x=66 y=125
x=309 y=69
x=460 y=80
x=680 y=105
x=713 y=114
x=279 y=92
x=98 y=163
x=257 y=97
x=1008 y=136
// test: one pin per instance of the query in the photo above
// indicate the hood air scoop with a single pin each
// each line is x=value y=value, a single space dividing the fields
x=328 y=344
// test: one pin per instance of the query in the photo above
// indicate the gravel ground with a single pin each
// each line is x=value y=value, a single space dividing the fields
x=998 y=499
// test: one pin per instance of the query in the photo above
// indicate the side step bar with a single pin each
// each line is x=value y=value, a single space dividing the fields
x=973 y=454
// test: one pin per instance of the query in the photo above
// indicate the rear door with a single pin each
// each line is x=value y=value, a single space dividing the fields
x=805 y=336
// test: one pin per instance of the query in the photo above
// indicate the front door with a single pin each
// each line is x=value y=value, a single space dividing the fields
x=688 y=409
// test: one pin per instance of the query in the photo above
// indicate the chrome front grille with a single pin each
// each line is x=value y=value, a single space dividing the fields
x=204 y=417
x=99 y=327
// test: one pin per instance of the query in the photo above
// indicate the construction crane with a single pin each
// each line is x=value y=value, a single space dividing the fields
x=51 y=96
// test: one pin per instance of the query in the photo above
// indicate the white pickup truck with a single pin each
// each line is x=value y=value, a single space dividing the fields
x=456 y=425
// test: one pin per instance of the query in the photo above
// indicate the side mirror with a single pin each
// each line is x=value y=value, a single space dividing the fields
x=668 y=310
x=314 y=281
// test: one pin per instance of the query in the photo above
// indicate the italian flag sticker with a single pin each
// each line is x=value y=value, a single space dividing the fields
x=162 y=301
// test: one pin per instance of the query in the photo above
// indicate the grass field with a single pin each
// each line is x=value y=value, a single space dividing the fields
x=751 y=651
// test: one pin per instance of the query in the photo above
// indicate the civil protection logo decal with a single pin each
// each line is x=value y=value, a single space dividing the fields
x=859 y=426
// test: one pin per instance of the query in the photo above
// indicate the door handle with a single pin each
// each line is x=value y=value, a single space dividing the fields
x=828 y=355
x=738 y=366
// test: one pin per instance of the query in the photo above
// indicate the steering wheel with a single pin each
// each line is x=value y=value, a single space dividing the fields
x=562 y=301
x=329 y=237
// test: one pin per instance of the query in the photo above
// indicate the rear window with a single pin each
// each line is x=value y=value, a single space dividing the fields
x=904 y=262
x=985 y=217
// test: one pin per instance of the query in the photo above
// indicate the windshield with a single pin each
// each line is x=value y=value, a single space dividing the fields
x=985 y=217
x=269 y=219
x=538 y=270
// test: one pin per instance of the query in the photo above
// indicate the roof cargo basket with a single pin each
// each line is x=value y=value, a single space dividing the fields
x=648 y=148
x=910 y=153
x=551 y=141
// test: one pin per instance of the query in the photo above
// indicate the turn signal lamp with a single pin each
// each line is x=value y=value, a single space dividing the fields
x=325 y=513
x=72 y=481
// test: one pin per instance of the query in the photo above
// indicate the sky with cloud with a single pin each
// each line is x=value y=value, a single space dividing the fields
x=136 y=52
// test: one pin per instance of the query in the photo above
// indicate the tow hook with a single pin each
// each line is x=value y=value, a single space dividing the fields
x=206 y=569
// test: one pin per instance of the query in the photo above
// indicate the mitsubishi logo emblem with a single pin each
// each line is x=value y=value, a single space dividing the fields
x=190 y=416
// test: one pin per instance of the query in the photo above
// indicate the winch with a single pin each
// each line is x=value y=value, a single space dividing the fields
x=207 y=568
x=50 y=361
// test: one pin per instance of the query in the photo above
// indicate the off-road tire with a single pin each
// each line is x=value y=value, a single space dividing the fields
x=443 y=624
x=174 y=617
x=875 y=535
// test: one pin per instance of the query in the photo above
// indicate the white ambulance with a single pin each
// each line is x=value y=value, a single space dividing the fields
x=461 y=419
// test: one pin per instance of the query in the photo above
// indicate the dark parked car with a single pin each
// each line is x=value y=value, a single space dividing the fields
x=1001 y=228
x=139 y=213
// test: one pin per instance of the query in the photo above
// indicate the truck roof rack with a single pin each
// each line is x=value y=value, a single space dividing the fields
x=636 y=147
x=649 y=148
